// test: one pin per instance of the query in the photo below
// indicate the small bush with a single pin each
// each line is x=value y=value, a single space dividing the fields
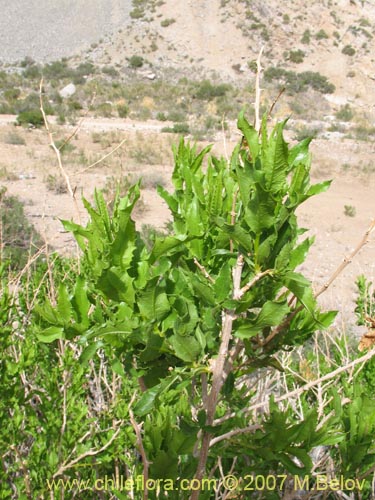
x=348 y=50
x=56 y=184
x=136 y=62
x=110 y=71
x=207 y=91
x=15 y=139
x=167 y=22
x=137 y=13
x=122 y=110
x=33 y=117
x=306 y=132
x=321 y=35
x=296 y=56
x=349 y=211
x=306 y=37
x=19 y=237
x=178 y=128
x=345 y=113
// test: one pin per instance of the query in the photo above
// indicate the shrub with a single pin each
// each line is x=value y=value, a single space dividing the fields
x=19 y=237
x=33 y=117
x=207 y=91
x=296 y=56
x=306 y=37
x=136 y=62
x=321 y=35
x=299 y=82
x=348 y=50
x=56 y=184
x=167 y=22
x=137 y=13
x=178 y=128
x=122 y=110
x=345 y=113
x=14 y=138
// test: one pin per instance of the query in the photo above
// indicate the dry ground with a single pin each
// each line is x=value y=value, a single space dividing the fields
x=25 y=170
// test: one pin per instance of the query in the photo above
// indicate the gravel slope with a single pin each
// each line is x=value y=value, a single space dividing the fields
x=51 y=29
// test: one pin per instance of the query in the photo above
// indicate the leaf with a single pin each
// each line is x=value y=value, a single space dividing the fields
x=271 y=314
x=186 y=348
x=153 y=303
x=147 y=400
x=163 y=247
x=50 y=334
x=275 y=158
x=250 y=134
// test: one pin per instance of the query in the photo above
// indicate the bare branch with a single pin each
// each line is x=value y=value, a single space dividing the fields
x=89 y=453
x=258 y=91
x=234 y=432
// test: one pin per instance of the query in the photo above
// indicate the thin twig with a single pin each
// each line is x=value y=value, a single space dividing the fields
x=141 y=449
x=203 y=269
x=251 y=283
x=275 y=102
x=347 y=260
x=101 y=159
x=318 y=381
x=234 y=432
x=57 y=151
x=89 y=453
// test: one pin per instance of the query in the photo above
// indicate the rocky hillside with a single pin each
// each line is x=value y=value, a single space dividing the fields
x=332 y=37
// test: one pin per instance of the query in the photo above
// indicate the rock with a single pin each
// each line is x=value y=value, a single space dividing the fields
x=68 y=91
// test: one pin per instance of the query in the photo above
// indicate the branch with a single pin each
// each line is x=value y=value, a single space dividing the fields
x=102 y=158
x=203 y=269
x=89 y=453
x=56 y=149
x=318 y=381
x=347 y=260
x=257 y=92
x=235 y=432
x=141 y=449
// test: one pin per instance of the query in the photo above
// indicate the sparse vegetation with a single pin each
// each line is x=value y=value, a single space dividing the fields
x=348 y=50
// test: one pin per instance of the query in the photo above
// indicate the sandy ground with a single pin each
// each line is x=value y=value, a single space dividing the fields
x=25 y=169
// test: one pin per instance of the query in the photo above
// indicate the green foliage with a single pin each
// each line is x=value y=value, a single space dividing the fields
x=136 y=61
x=207 y=91
x=296 y=56
x=306 y=37
x=178 y=128
x=345 y=113
x=19 y=239
x=348 y=50
x=167 y=332
x=167 y=22
x=321 y=35
x=33 y=117
x=299 y=82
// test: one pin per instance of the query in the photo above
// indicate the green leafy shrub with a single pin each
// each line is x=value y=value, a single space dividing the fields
x=32 y=117
x=136 y=61
x=348 y=50
x=19 y=238
x=306 y=37
x=167 y=22
x=321 y=35
x=296 y=56
x=207 y=91
x=178 y=128
x=345 y=113
x=299 y=82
